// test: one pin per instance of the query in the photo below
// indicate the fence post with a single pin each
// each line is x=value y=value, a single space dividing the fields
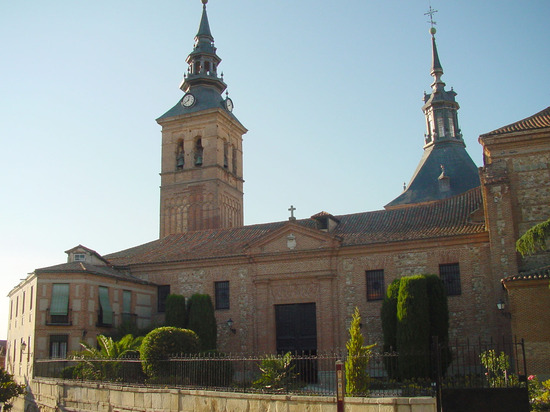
x=339 y=386
x=436 y=356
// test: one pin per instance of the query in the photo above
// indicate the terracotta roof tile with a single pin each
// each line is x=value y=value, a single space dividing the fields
x=539 y=120
x=82 y=267
x=536 y=274
x=449 y=217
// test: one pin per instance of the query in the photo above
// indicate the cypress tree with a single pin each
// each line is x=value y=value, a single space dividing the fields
x=202 y=320
x=357 y=378
x=176 y=312
x=413 y=327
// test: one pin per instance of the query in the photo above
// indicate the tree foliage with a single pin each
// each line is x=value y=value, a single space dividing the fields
x=357 y=361
x=176 y=312
x=161 y=343
x=99 y=361
x=413 y=312
x=413 y=327
x=534 y=240
x=202 y=320
x=9 y=389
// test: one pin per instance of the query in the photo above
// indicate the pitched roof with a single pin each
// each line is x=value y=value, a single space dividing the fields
x=82 y=267
x=445 y=218
x=540 y=120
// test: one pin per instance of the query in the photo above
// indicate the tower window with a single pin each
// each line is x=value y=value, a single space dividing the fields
x=180 y=156
x=225 y=155
x=440 y=127
x=198 y=153
x=375 y=284
x=451 y=126
x=234 y=159
x=450 y=275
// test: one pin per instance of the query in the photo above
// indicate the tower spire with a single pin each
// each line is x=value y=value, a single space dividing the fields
x=203 y=61
x=445 y=169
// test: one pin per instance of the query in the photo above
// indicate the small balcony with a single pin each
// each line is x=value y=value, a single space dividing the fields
x=59 y=320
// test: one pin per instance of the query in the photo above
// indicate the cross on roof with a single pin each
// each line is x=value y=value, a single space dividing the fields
x=291 y=210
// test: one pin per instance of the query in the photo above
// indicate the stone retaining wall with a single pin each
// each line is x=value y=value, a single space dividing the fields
x=49 y=395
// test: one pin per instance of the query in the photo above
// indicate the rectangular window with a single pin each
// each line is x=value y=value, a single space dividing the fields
x=79 y=257
x=59 y=306
x=222 y=294
x=375 y=284
x=23 y=304
x=127 y=306
x=105 y=310
x=58 y=346
x=31 y=297
x=450 y=275
x=162 y=293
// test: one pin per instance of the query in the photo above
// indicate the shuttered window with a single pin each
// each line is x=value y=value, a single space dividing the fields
x=60 y=299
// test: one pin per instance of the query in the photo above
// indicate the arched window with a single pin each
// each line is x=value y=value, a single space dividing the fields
x=198 y=152
x=225 y=154
x=180 y=155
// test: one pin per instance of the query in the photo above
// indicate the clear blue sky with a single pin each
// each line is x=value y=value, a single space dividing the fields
x=331 y=93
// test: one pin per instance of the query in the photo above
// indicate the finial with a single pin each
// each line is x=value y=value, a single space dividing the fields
x=204 y=2
x=431 y=13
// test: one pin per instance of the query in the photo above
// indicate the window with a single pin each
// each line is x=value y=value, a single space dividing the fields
x=58 y=346
x=23 y=304
x=59 y=306
x=450 y=275
x=79 y=257
x=222 y=294
x=162 y=293
x=105 y=310
x=31 y=297
x=440 y=127
x=375 y=284
x=127 y=306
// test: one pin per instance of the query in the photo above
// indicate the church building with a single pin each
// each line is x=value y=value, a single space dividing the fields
x=293 y=285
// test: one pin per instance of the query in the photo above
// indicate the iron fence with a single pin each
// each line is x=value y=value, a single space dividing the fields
x=459 y=365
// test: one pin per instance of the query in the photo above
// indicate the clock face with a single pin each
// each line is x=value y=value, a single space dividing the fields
x=229 y=104
x=188 y=100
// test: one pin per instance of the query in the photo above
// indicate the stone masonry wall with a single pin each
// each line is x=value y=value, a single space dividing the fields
x=48 y=395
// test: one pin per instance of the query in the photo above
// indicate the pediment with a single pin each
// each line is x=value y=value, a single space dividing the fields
x=292 y=238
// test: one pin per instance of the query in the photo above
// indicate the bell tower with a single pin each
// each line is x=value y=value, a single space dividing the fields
x=201 y=167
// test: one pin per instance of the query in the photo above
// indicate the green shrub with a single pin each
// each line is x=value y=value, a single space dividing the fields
x=413 y=328
x=202 y=320
x=277 y=374
x=496 y=366
x=176 y=312
x=161 y=343
x=357 y=361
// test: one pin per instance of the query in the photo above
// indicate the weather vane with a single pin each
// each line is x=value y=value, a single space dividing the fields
x=431 y=13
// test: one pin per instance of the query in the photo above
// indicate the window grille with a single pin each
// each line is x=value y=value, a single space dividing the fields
x=450 y=275
x=222 y=294
x=375 y=284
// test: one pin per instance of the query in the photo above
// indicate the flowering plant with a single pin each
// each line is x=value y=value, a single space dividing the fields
x=539 y=394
